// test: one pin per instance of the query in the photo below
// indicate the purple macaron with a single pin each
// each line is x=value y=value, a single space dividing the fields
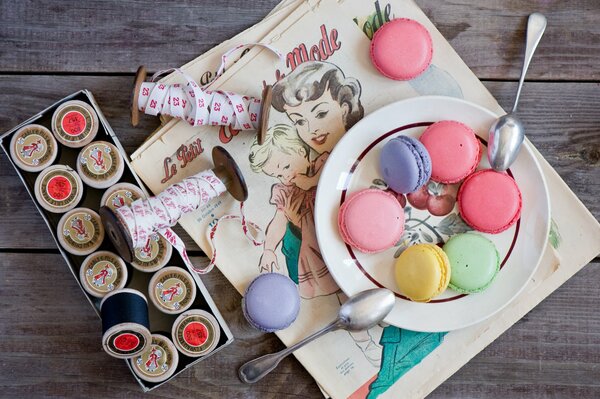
x=271 y=302
x=405 y=164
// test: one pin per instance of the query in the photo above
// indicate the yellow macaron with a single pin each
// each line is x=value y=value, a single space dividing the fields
x=422 y=272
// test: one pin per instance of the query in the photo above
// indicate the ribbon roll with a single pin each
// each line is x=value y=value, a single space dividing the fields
x=158 y=214
x=199 y=106
x=130 y=227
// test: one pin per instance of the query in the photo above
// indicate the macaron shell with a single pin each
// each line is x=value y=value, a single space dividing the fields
x=454 y=150
x=401 y=49
x=425 y=161
x=371 y=220
x=271 y=302
x=474 y=260
x=489 y=201
x=404 y=164
x=400 y=166
x=422 y=272
x=445 y=267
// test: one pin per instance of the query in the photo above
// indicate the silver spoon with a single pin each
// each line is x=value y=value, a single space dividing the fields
x=360 y=312
x=507 y=132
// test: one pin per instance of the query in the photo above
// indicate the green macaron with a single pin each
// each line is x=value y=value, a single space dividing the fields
x=474 y=261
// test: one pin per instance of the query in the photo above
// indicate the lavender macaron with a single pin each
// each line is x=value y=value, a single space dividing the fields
x=405 y=164
x=271 y=302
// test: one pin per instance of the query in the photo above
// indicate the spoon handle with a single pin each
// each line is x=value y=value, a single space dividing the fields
x=536 y=25
x=256 y=369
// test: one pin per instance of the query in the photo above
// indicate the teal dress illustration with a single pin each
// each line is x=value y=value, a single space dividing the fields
x=290 y=247
x=402 y=350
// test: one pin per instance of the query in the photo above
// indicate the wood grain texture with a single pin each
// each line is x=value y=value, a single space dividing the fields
x=51 y=346
x=490 y=36
x=50 y=336
x=117 y=36
x=51 y=343
x=561 y=120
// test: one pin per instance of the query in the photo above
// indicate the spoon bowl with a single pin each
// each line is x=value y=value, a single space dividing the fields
x=506 y=136
x=366 y=309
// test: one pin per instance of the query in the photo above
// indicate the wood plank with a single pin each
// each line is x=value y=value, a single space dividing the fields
x=561 y=119
x=490 y=36
x=51 y=346
x=51 y=343
x=117 y=36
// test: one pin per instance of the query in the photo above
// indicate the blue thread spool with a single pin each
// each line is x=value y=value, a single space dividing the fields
x=125 y=324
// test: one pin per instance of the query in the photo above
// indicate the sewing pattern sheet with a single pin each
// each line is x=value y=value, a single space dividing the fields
x=325 y=84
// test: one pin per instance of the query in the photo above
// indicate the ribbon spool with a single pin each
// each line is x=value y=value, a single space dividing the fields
x=263 y=116
x=125 y=323
x=225 y=169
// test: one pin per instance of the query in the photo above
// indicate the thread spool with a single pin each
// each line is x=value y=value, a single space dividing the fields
x=225 y=169
x=263 y=115
x=100 y=164
x=172 y=290
x=101 y=273
x=80 y=231
x=157 y=363
x=33 y=148
x=125 y=324
x=155 y=254
x=120 y=195
x=196 y=333
x=75 y=123
x=58 y=188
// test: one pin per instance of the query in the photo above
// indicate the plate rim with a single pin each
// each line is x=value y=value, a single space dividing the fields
x=526 y=145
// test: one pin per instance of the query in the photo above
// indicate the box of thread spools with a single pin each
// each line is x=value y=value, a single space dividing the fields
x=156 y=313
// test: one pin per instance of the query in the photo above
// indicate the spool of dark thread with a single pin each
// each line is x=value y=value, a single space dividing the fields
x=125 y=323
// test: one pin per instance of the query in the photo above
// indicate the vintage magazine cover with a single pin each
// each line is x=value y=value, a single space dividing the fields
x=328 y=42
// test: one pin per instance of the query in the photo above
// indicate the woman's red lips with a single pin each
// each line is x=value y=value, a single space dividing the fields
x=320 y=139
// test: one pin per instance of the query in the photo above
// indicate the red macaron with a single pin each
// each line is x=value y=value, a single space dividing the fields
x=489 y=201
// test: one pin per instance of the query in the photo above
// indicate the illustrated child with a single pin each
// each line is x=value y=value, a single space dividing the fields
x=284 y=156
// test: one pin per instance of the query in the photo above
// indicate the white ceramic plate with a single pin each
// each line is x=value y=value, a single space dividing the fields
x=352 y=166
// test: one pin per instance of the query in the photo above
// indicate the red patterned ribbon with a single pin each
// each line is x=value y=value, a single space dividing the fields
x=145 y=217
x=199 y=106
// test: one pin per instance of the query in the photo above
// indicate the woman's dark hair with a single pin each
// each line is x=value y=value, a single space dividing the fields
x=308 y=82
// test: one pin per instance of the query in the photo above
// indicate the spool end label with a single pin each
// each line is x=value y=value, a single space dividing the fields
x=73 y=123
x=195 y=334
x=81 y=228
x=126 y=342
x=59 y=188
x=173 y=291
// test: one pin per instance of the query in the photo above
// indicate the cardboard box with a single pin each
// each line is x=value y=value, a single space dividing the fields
x=159 y=322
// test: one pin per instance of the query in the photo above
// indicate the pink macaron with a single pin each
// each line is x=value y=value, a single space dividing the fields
x=489 y=201
x=454 y=151
x=401 y=49
x=371 y=221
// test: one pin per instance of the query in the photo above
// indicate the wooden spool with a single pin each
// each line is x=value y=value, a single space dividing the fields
x=225 y=168
x=263 y=118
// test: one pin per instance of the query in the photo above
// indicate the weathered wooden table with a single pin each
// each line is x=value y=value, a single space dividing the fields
x=49 y=336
